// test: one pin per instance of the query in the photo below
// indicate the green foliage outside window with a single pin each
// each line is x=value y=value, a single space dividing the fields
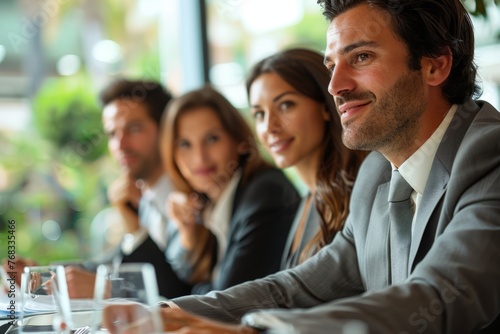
x=67 y=114
x=56 y=172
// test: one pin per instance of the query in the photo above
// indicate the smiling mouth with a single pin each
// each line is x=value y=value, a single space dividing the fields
x=351 y=106
x=280 y=145
x=205 y=171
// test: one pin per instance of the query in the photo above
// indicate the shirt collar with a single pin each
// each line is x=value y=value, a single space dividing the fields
x=158 y=193
x=224 y=201
x=416 y=169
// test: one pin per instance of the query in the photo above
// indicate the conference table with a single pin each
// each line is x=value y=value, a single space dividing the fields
x=40 y=318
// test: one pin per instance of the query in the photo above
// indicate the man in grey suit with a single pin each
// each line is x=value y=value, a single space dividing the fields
x=403 y=78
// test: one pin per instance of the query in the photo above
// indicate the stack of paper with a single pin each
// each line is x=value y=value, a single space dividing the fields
x=39 y=304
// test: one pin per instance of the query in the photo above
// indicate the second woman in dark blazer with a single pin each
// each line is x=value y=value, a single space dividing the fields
x=233 y=210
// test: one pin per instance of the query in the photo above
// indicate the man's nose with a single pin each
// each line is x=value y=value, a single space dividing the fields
x=341 y=80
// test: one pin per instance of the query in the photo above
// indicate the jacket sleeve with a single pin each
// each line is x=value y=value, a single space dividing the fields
x=331 y=274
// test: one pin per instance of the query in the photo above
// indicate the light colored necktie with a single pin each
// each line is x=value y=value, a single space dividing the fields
x=401 y=216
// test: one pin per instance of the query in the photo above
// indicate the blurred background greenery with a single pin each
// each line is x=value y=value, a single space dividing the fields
x=56 y=55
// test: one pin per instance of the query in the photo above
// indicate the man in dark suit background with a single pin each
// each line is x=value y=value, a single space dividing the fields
x=132 y=113
x=403 y=78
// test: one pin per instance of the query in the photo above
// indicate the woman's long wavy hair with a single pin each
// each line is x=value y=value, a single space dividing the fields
x=304 y=70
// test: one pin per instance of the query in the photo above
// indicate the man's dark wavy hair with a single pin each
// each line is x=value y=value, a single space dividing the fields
x=150 y=93
x=428 y=28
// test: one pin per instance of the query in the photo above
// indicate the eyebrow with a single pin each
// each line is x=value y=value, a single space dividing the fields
x=126 y=125
x=349 y=48
x=134 y=121
x=277 y=97
x=210 y=131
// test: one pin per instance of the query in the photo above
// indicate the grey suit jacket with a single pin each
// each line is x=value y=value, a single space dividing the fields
x=454 y=284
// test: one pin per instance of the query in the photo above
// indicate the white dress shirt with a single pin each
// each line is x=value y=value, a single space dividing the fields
x=152 y=217
x=415 y=170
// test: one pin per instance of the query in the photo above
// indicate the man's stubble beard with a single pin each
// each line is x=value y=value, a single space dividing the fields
x=393 y=122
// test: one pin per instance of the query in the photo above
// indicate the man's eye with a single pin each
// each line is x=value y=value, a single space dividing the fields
x=330 y=68
x=135 y=128
x=362 y=57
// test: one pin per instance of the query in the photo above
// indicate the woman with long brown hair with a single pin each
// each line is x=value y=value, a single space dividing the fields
x=233 y=210
x=297 y=122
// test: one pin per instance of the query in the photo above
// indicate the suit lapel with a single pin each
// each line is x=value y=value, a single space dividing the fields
x=434 y=190
x=440 y=174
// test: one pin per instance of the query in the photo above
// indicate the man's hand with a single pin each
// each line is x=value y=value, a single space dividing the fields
x=178 y=321
x=127 y=319
x=124 y=195
x=134 y=318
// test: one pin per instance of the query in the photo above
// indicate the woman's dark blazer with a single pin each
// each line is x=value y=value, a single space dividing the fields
x=263 y=210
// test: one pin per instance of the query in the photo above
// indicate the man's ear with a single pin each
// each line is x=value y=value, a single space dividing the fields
x=435 y=70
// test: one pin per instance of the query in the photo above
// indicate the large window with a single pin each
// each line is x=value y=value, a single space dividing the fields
x=487 y=34
x=54 y=58
x=241 y=32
